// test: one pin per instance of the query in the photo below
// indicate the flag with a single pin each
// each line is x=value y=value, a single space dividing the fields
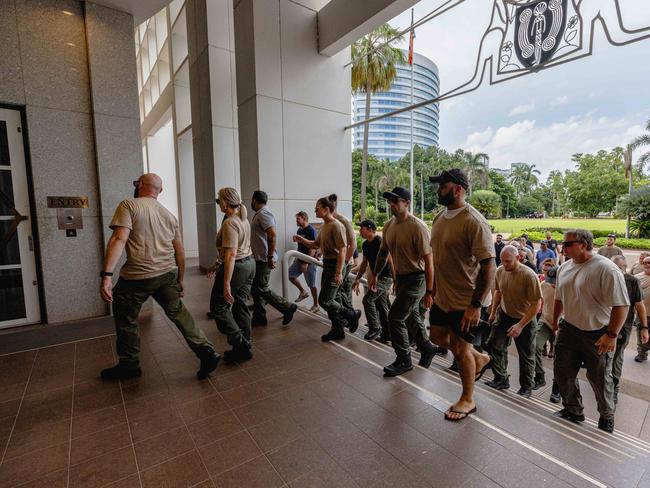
x=411 y=37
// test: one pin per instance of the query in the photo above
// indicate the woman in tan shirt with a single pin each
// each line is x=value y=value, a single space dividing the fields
x=234 y=271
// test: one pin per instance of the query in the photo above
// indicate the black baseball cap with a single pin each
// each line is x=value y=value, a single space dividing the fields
x=453 y=175
x=368 y=224
x=398 y=192
x=611 y=235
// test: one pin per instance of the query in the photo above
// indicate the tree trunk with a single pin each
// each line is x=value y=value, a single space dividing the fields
x=364 y=160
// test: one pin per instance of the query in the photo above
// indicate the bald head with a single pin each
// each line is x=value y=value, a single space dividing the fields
x=620 y=262
x=509 y=258
x=150 y=185
x=509 y=250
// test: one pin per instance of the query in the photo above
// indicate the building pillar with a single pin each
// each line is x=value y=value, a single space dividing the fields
x=214 y=114
x=293 y=106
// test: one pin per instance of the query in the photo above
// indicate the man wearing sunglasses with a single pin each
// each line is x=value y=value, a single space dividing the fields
x=591 y=294
x=155 y=266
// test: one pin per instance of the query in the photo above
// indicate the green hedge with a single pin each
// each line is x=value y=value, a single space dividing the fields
x=625 y=243
x=561 y=231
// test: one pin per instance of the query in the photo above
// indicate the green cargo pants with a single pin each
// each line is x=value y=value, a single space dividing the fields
x=574 y=347
x=525 y=343
x=376 y=305
x=344 y=292
x=641 y=349
x=544 y=334
x=234 y=321
x=619 y=354
x=329 y=294
x=406 y=315
x=128 y=297
x=262 y=294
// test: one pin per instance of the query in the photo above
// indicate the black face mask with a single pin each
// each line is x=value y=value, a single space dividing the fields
x=446 y=199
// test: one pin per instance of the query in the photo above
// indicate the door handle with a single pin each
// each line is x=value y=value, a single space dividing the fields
x=30 y=240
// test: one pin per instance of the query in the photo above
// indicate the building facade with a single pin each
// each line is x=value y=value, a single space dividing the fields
x=390 y=138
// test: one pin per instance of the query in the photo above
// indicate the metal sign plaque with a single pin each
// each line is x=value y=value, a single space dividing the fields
x=69 y=218
x=67 y=202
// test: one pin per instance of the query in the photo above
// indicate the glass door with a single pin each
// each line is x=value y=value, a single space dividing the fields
x=19 y=303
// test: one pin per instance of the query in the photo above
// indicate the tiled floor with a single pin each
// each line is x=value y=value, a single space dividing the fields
x=301 y=413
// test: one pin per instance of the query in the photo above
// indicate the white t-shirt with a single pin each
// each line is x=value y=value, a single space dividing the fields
x=589 y=290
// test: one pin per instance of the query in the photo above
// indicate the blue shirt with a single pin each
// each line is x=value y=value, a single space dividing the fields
x=542 y=255
x=308 y=233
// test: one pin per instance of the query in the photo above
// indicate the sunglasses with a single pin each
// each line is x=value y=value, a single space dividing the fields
x=136 y=183
x=569 y=243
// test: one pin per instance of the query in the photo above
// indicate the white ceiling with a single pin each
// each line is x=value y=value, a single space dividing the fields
x=140 y=9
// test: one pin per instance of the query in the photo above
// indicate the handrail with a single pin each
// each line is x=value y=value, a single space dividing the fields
x=303 y=257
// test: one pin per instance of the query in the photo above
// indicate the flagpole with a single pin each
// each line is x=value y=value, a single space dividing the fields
x=412 y=53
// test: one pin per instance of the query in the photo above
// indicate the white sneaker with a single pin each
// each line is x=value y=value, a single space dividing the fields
x=314 y=309
x=302 y=296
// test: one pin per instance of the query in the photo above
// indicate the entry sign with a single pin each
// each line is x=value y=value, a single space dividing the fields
x=67 y=202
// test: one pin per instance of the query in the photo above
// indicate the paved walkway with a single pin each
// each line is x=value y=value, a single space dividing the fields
x=301 y=413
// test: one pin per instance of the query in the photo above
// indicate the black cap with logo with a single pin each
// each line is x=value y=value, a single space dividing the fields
x=368 y=224
x=454 y=175
x=398 y=192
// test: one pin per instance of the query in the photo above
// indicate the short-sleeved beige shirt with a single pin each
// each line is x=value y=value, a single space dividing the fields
x=350 y=235
x=459 y=244
x=519 y=290
x=149 y=250
x=407 y=242
x=548 y=295
x=234 y=233
x=644 y=281
x=331 y=238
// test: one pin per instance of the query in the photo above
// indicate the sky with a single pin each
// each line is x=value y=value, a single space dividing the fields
x=598 y=102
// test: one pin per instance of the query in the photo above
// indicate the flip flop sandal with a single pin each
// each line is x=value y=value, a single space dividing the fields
x=463 y=416
x=480 y=374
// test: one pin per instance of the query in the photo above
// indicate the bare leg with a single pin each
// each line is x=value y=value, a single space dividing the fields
x=298 y=285
x=441 y=336
x=314 y=294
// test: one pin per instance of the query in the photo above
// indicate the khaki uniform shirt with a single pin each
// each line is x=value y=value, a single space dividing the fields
x=459 y=244
x=644 y=281
x=637 y=268
x=610 y=252
x=149 y=250
x=408 y=243
x=350 y=235
x=234 y=233
x=548 y=295
x=519 y=290
x=331 y=238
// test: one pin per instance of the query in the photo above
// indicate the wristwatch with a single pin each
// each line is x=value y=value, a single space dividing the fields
x=475 y=304
x=105 y=273
x=611 y=335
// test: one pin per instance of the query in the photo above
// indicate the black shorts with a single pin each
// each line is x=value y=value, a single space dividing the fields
x=452 y=319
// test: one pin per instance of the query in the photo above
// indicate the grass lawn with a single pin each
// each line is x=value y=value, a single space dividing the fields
x=516 y=225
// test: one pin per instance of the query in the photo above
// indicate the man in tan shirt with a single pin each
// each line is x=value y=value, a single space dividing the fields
x=463 y=260
x=642 y=344
x=155 y=266
x=516 y=301
x=406 y=239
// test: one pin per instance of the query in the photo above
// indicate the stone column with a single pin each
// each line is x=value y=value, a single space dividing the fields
x=293 y=105
x=214 y=114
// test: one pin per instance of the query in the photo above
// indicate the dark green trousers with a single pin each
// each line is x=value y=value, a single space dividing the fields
x=573 y=347
x=327 y=297
x=544 y=334
x=641 y=349
x=344 y=292
x=262 y=294
x=406 y=315
x=376 y=305
x=234 y=321
x=128 y=297
x=525 y=343
x=619 y=354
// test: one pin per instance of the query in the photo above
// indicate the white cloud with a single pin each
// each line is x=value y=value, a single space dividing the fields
x=522 y=109
x=551 y=146
x=559 y=101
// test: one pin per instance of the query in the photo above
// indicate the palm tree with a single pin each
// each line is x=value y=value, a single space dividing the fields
x=524 y=177
x=476 y=167
x=555 y=183
x=642 y=140
x=373 y=70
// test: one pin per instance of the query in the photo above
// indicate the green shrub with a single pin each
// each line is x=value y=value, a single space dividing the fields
x=625 y=243
x=562 y=230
